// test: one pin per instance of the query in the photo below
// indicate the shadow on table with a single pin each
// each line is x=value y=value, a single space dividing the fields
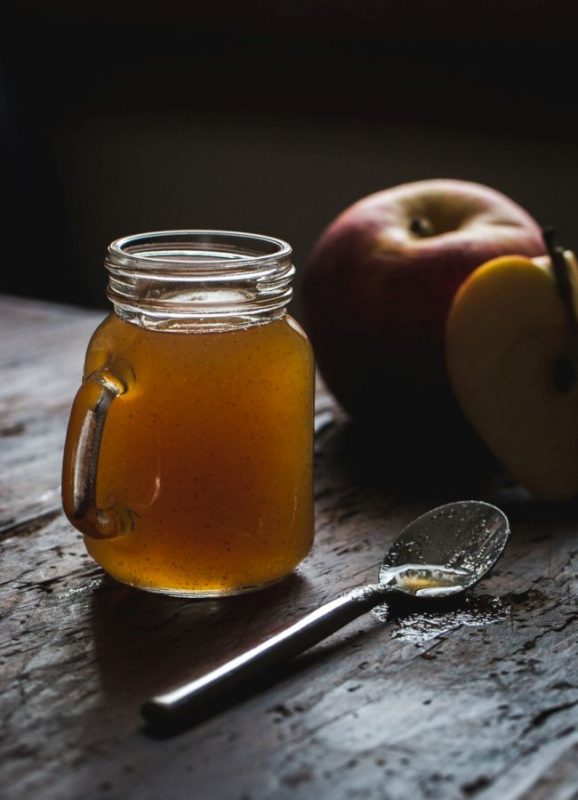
x=147 y=643
x=139 y=657
x=380 y=457
x=377 y=459
x=322 y=655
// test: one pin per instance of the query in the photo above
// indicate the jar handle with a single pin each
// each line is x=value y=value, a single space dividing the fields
x=82 y=451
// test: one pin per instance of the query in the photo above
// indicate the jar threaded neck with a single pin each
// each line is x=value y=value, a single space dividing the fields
x=191 y=279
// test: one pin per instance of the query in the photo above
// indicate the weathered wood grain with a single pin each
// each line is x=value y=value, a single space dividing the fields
x=478 y=699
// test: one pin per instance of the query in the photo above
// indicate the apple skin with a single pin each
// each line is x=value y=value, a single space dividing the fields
x=376 y=290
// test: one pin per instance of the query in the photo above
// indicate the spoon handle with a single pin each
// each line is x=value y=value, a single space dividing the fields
x=195 y=695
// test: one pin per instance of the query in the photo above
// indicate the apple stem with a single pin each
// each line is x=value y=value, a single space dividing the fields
x=563 y=282
x=422 y=227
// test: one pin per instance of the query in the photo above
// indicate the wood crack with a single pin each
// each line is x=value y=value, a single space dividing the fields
x=539 y=719
x=30 y=525
x=531 y=643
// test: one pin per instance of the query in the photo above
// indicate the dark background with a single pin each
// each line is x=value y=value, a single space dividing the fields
x=123 y=117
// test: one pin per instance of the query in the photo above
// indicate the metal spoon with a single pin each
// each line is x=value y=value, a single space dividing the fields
x=443 y=552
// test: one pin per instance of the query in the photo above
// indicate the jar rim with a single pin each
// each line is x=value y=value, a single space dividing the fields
x=198 y=250
x=193 y=279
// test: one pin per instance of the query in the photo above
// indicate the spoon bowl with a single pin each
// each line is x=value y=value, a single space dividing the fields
x=446 y=550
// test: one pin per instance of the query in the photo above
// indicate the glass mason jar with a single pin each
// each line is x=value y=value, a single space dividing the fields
x=188 y=459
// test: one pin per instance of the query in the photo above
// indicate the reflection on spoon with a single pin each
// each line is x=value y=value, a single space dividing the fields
x=426 y=580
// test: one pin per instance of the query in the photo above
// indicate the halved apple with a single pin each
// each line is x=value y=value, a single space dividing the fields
x=512 y=360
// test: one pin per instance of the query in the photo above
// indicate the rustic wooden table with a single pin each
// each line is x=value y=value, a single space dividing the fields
x=479 y=699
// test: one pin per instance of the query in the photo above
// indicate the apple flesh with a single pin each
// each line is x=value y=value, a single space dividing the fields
x=376 y=291
x=512 y=355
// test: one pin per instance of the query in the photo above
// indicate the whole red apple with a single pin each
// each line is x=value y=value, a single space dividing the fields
x=377 y=287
